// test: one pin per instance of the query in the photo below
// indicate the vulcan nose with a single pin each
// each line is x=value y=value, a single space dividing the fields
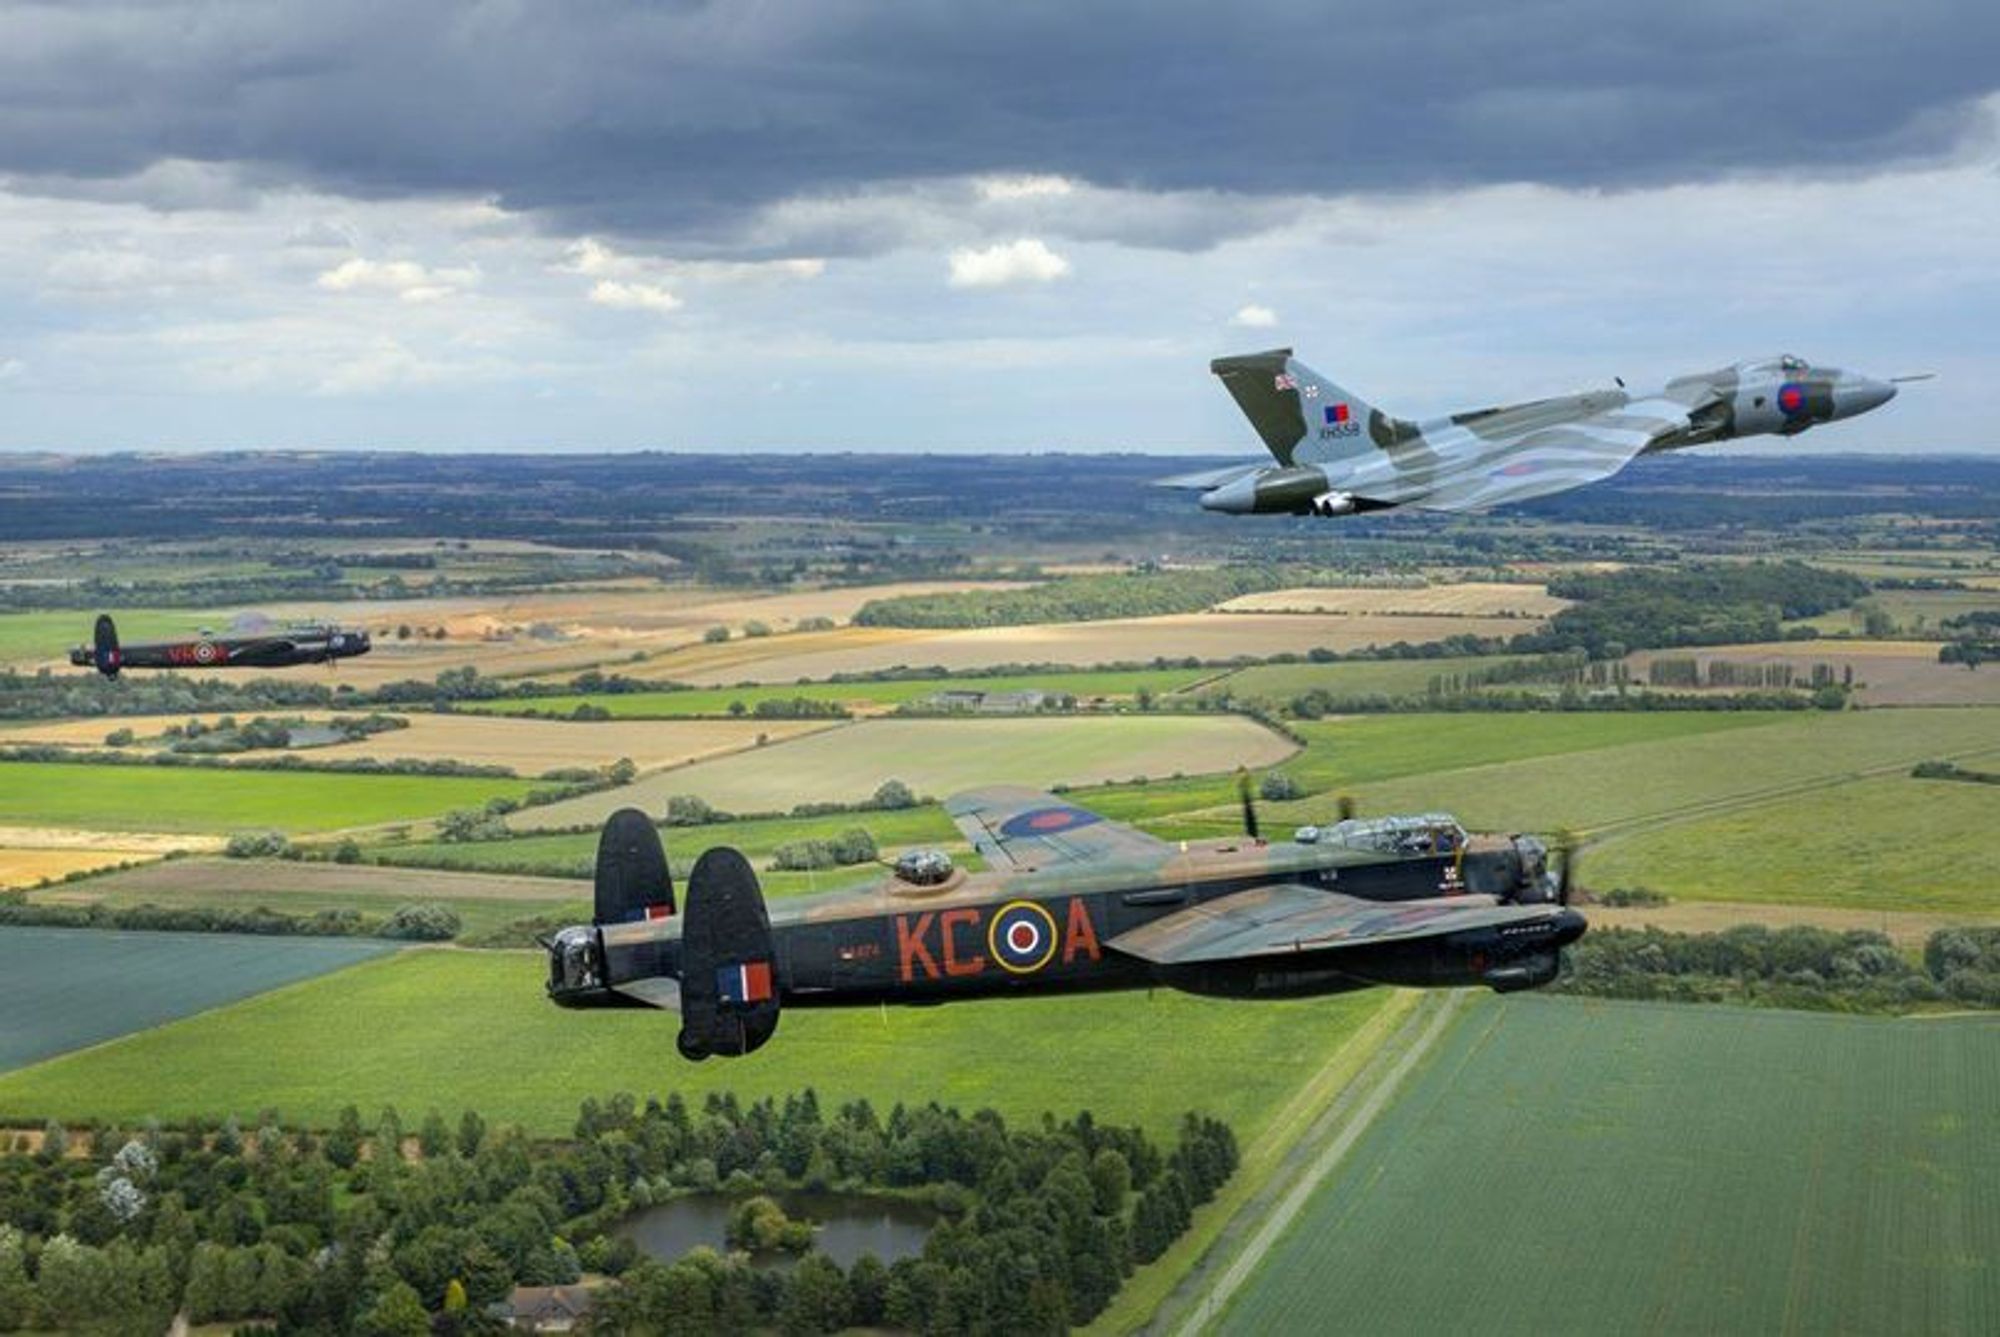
x=1858 y=394
x=1234 y=498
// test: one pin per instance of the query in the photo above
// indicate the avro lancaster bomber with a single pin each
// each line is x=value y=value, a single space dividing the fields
x=314 y=644
x=1069 y=903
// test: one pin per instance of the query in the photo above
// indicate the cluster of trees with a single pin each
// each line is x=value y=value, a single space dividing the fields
x=1710 y=604
x=1945 y=770
x=790 y=708
x=1798 y=966
x=852 y=846
x=388 y=1230
x=1081 y=598
x=421 y=922
x=45 y=694
x=1318 y=702
x=1974 y=638
x=1041 y=1227
x=46 y=752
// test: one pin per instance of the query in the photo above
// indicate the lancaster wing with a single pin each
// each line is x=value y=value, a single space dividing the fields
x=1018 y=828
x=1287 y=918
x=1547 y=459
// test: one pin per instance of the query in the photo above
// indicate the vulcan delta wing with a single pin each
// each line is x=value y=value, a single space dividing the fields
x=313 y=644
x=1337 y=454
x=1072 y=903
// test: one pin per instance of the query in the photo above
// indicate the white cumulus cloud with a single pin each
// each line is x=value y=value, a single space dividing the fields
x=1023 y=187
x=1028 y=260
x=401 y=278
x=633 y=296
x=1254 y=317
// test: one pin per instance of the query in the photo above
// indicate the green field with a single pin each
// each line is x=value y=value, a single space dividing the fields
x=1677 y=779
x=1561 y=1166
x=1892 y=843
x=1341 y=755
x=27 y=638
x=717 y=700
x=454 y=1029
x=61 y=989
x=189 y=798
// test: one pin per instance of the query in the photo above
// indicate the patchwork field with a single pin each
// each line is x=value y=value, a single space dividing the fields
x=1470 y=599
x=938 y=757
x=1207 y=636
x=1906 y=928
x=483 y=900
x=1887 y=673
x=61 y=989
x=430 y=1029
x=1562 y=1165
x=213 y=799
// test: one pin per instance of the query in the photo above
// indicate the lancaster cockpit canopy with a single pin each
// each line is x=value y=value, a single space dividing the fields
x=1423 y=833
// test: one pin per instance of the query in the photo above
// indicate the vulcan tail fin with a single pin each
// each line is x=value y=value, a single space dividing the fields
x=104 y=648
x=1303 y=417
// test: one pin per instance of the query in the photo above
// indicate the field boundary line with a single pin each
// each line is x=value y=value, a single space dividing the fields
x=1345 y=1120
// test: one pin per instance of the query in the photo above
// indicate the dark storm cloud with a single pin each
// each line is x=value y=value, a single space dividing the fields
x=677 y=122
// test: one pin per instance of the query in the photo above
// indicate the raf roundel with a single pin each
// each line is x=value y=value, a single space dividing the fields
x=1046 y=821
x=1022 y=937
x=1792 y=397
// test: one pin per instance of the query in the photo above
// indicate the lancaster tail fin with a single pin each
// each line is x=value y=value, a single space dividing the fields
x=1303 y=417
x=104 y=646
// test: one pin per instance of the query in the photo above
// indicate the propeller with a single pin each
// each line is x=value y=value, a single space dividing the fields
x=1566 y=845
x=1249 y=801
x=1347 y=808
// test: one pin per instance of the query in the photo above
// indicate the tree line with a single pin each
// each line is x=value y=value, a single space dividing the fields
x=1799 y=966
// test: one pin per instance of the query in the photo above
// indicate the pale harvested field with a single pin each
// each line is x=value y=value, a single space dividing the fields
x=1889 y=673
x=130 y=842
x=1471 y=599
x=277 y=880
x=577 y=629
x=529 y=747
x=532 y=747
x=1075 y=644
x=1906 y=928
x=938 y=758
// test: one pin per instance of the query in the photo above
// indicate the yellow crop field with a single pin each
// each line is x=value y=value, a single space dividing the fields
x=1470 y=599
x=1077 y=644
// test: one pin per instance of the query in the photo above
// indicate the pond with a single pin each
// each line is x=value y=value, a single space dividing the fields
x=849 y=1225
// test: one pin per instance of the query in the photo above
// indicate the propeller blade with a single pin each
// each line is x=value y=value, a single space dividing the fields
x=1566 y=877
x=1347 y=808
x=1249 y=803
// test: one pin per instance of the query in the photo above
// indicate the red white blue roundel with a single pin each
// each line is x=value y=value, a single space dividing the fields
x=1792 y=397
x=1022 y=937
x=1046 y=821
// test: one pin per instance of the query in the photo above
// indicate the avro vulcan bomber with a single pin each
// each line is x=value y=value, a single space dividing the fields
x=1337 y=454
x=1069 y=903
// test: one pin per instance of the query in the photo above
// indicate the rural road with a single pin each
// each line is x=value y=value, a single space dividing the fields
x=1332 y=1135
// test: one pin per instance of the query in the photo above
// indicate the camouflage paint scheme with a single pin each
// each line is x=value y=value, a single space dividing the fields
x=294 y=645
x=1072 y=903
x=1337 y=454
